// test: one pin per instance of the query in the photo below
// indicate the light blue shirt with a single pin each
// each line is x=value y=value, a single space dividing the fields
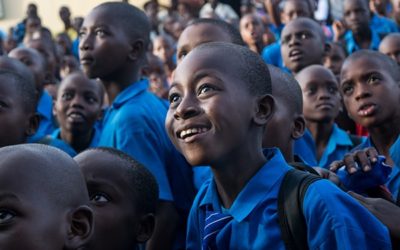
x=134 y=124
x=334 y=219
x=393 y=184
x=338 y=145
x=383 y=25
x=352 y=46
x=45 y=111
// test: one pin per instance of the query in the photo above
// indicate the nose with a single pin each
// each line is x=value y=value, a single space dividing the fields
x=186 y=109
x=77 y=101
x=85 y=42
x=294 y=40
x=324 y=94
x=361 y=91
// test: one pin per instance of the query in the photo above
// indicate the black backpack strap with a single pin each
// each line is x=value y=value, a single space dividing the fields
x=290 y=208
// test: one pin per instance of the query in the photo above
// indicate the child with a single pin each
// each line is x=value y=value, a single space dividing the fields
x=334 y=58
x=69 y=64
x=205 y=30
x=78 y=107
x=321 y=104
x=35 y=61
x=44 y=201
x=18 y=98
x=251 y=30
x=371 y=93
x=123 y=197
x=134 y=123
x=220 y=90
x=156 y=74
x=302 y=44
x=163 y=47
x=357 y=18
x=390 y=46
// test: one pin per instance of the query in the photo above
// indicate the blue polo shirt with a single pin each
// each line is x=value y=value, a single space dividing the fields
x=382 y=25
x=271 y=54
x=352 y=46
x=338 y=145
x=45 y=111
x=393 y=184
x=134 y=123
x=94 y=142
x=334 y=219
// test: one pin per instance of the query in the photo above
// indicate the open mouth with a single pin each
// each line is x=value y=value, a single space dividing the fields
x=188 y=133
x=86 y=60
x=325 y=105
x=76 y=117
x=295 y=54
x=366 y=109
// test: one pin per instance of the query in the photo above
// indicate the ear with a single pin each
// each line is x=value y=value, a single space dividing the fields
x=145 y=228
x=299 y=126
x=80 y=227
x=33 y=124
x=137 y=50
x=264 y=109
x=54 y=108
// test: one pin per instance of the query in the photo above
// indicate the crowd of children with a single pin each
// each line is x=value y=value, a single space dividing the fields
x=179 y=127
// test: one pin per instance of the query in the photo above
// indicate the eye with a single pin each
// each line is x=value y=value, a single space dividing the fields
x=205 y=88
x=81 y=34
x=311 y=90
x=67 y=96
x=174 y=98
x=6 y=216
x=99 y=198
x=91 y=99
x=100 y=32
x=347 y=89
x=332 y=89
x=373 y=79
x=182 y=54
x=304 y=36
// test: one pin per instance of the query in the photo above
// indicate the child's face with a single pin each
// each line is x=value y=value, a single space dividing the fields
x=251 y=29
x=102 y=38
x=78 y=104
x=391 y=47
x=69 y=64
x=28 y=218
x=163 y=49
x=35 y=64
x=209 y=116
x=48 y=54
x=356 y=15
x=111 y=197
x=14 y=118
x=370 y=93
x=294 y=9
x=334 y=59
x=321 y=97
x=195 y=35
x=301 y=46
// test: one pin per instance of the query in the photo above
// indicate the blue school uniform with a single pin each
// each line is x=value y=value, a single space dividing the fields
x=393 y=184
x=382 y=25
x=334 y=219
x=352 y=46
x=45 y=111
x=339 y=144
x=134 y=123
x=271 y=54
x=93 y=143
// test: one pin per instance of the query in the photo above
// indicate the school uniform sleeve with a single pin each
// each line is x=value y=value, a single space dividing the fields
x=336 y=221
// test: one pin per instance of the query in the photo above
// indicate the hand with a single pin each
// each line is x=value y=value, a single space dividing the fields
x=339 y=29
x=387 y=212
x=365 y=158
x=329 y=175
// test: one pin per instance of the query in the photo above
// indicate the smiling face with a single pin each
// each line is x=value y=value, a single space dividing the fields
x=321 y=98
x=370 y=93
x=104 y=46
x=302 y=44
x=211 y=110
x=111 y=195
x=78 y=104
x=195 y=35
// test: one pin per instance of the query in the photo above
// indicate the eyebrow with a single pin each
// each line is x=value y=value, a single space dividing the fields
x=8 y=196
x=199 y=75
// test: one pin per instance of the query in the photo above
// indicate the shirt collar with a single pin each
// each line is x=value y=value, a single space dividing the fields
x=255 y=191
x=352 y=46
x=131 y=91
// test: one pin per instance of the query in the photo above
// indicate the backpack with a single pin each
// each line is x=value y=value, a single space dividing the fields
x=290 y=205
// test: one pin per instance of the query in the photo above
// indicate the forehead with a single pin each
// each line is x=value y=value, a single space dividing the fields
x=249 y=18
x=25 y=53
x=8 y=85
x=351 y=4
x=392 y=42
x=79 y=83
x=295 y=6
x=202 y=33
x=299 y=26
x=101 y=16
x=316 y=75
x=355 y=67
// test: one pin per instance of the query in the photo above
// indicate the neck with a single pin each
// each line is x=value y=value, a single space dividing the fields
x=78 y=141
x=364 y=38
x=233 y=173
x=321 y=133
x=119 y=81
x=256 y=47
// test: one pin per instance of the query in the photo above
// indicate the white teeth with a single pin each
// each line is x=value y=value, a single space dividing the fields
x=192 y=131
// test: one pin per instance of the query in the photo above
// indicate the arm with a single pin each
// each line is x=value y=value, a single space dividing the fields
x=273 y=11
x=167 y=220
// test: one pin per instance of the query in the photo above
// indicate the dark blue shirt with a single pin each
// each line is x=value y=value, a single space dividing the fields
x=334 y=219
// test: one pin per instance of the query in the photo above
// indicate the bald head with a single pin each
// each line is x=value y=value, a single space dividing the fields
x=46 y=171
x=390 y=46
